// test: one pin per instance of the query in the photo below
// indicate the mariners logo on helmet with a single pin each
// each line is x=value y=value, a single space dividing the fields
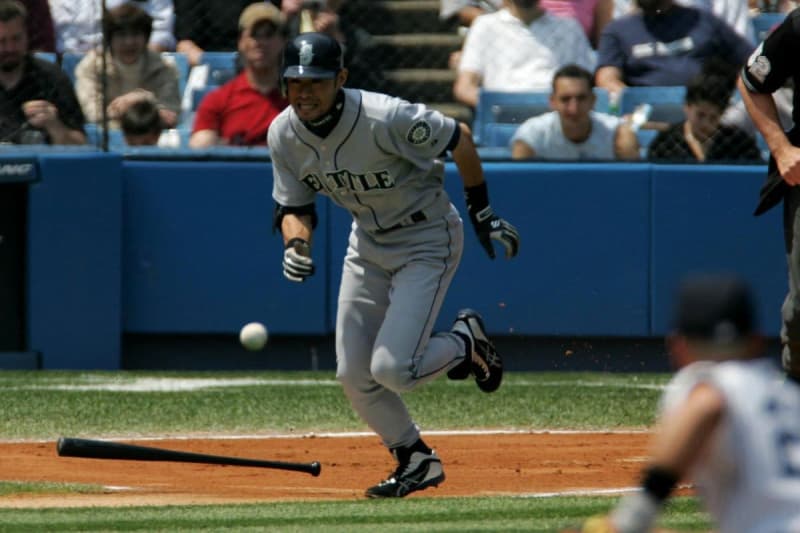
x=312 y=55
x=419 y=132
x=306 y=54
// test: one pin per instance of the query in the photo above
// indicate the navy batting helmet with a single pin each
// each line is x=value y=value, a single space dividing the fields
x=312 y=55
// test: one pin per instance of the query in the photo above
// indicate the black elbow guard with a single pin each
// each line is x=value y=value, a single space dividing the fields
x=301 y=210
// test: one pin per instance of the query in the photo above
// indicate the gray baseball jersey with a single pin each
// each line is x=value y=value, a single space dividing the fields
x=380 y=163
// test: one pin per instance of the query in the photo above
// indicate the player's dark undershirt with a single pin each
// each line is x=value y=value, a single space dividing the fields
x=325 y=124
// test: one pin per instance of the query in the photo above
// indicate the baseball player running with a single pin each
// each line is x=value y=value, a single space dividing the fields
x=729 y=420
x=378 y=157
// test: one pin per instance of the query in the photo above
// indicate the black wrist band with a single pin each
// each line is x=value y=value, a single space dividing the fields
x=296 y=240
x=659 y=482
x=477 y=197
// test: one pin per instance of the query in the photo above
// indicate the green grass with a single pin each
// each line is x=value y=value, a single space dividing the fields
x=411 y=515
x=47 y=404
x=39 y=405
x=20 y=487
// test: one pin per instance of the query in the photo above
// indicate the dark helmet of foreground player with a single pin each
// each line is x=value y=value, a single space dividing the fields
x=312 y=55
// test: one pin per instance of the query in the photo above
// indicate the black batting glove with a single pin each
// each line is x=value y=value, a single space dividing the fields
x=489 y=226
x=297 y=262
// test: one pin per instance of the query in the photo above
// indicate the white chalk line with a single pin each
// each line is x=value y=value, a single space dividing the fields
x=577 y=492
x=160 y=384
x=525 y=495
x=342 y=435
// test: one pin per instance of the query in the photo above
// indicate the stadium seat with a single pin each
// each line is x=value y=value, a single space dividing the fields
x=645 y=137
x=515 y=108
x=181 y=63
x=94 y=136
x=494 y=153
x=69 y=61
x=199 y=94
x=222 y=66
x=667 y=102
x=184 y=134
x=763 y=23
x=116 y=140
x=50 y=57
x=499 y=135
x=186 y=120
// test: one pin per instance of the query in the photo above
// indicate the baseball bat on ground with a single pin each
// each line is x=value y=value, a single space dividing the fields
x=100 y=449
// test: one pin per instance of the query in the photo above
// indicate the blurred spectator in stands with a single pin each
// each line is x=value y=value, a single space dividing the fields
x=340 y=19
x=735 y=13
x=78 y=23
x=593 y=15
x=664 y=44
x=465 y=11
x=240 y=112
x=133 y=72
x=518 y=48
x=207 y=25
x=735 y=113
x=41 y=35
x=573 y=130
x=701 y=137
x=313 y=15
x=141 y=123
x=37 y=101
x=757 y=7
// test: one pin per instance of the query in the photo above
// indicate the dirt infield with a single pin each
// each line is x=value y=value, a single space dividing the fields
x=481 y=464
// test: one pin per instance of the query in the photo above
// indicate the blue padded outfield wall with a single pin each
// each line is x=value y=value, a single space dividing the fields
x=74 y=276
x=186 y=247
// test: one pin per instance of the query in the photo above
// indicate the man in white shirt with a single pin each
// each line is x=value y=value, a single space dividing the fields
x=518 y=48
x=572 y=131
x=467 y=10
x=79 y=29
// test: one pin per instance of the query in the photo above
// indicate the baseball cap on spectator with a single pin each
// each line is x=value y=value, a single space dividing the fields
x=715 y=308
x=258 y=12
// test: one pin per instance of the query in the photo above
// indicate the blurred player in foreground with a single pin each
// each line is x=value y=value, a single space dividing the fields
x=729 y=420
x=379 y=157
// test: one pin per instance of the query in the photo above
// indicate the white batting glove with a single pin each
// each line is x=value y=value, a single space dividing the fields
x=297 y=262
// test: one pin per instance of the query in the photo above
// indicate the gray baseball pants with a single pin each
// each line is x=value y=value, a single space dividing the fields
x=393 y=286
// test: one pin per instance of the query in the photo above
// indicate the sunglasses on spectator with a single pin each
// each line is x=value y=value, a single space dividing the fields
x=264 y=31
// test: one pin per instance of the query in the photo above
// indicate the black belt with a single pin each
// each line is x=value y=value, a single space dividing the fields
x=416 y=216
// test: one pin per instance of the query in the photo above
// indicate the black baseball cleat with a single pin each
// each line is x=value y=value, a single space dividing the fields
x=462 y=370
x=486 y=363
x=415 y=471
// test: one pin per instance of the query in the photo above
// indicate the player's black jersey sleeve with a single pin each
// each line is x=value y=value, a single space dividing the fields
x=453 y=141
x=775 y=59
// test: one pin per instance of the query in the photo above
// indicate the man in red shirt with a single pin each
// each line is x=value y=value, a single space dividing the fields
x=239 y=112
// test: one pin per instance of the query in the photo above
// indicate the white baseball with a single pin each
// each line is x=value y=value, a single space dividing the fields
x=253 y=336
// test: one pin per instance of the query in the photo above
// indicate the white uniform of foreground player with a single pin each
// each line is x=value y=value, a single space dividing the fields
x=729 y=422
x=378 y=157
